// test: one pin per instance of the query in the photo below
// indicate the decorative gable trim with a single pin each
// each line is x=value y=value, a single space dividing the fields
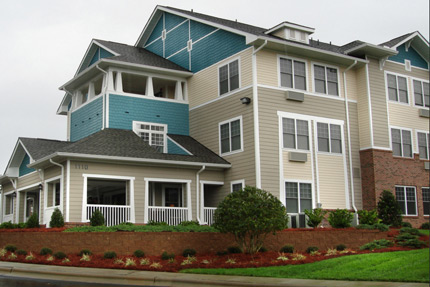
x=15 y=161
x=89 y=54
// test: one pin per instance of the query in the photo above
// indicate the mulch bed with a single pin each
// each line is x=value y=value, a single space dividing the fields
x=41 y=229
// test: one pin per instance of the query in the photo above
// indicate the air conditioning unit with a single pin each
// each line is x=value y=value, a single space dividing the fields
x=297 y=220
x=294 y=96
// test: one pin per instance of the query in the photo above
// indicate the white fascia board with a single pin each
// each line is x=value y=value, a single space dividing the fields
x=156 y=9
x=385 y=49
x=18 y=143
x=128 y=159
x=60 y=111
x=180 y=146
x=415 y=34
x=291 y=25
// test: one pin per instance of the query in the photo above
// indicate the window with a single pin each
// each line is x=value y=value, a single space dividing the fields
x=230 y=136
x=298 y=197
x=426 y=200
x=397 y=88
x=153 y=134
x=293 y=74
x=295 y=133
x=423 y=145
x=406 y=198
x=329 y=138
x=237 y=185
x=326 y=81
x=421 y=93
x=9 y=203
x=53 y=193
x=229 y=77
x=401 y=142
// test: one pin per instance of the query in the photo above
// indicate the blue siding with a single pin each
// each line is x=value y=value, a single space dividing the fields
x=87 y=120
x=173 y=148
x=182 y=59
x=100 y=54
x=157 y=31
x=172 y=20
x=124 y=110
x=176 y=40
x=156 y=47
x=411 y=55
x=198 y=30
x=23 y=169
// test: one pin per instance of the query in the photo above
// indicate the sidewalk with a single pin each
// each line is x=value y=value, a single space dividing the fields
x=139 y=278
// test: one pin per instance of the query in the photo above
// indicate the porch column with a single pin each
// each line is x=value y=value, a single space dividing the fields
x=202 y=202
x=132 y=211
x=84 y=199
x=178 y=91
x=190 y=214
x=118 y=82
x=145 y=210
x=149 y=87
x=17 y=199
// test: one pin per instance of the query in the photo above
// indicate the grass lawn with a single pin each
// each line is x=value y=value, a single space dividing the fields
x=425 y=231
x=404 y=266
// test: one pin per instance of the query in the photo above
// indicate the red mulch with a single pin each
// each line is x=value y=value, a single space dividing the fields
x=41 y=229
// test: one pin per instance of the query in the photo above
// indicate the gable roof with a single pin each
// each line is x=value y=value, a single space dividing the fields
x=414 y=39
x=395 y=41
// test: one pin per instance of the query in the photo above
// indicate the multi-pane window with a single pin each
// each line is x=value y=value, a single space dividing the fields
x=406 y=198
x=426 y=200
x=401 y=142
x=237 y=185
x=326 y=80
x=295 y=133
x=298 y=197
x=293 y=74
x=53 y=193
x=421 y=93
x=153 y=134
x=229 y=77
x=397 y=88
x=230 y=136
x=423 y=145
x=329 y=138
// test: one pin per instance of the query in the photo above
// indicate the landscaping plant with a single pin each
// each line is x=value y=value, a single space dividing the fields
x=250 y=214
x=188 y=252
x=45 y=251
x=10 y=248
x=33 y=221
x=369 y=217
x=425 y=225
x=57 y=219
x=109 y=255
x=139 y=253
x=406 y=224
x=389 y=210
x=340 y=218
x=287 y=249
x=315 y=216
x=97 y=218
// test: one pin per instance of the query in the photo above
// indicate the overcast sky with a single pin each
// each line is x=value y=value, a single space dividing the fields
x=43 y=42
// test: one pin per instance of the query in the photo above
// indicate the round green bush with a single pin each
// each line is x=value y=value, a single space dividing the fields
x=425 y=225
x=410 y=230
x=84 y=251
x=33 y=221
x=389 y=210
x=340 y=247
x=21 y=252
x=287 y=249
x=340 y=218
x=97 y=218
x=10 y=248
x=315 y=217
x=189 y=252
x=45 y=251
x=60 y=255
x=57 y=219
x=311 y=249
x=406 y=224
x=109 y=255
x=381 y=227
x=139 y=253
x=167 y=256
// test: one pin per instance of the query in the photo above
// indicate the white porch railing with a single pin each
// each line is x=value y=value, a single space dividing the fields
x=113 y=214
x=170 y=215
x=8 y=217
x=208 y=215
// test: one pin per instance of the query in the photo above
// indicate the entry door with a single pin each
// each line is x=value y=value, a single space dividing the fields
x=173 y=196
x=32 y=204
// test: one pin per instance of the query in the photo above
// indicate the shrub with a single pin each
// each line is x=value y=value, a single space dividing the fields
x=139 y=253
x=97 y=218
x=188 y=252
x=287 y=249
x=57 y=219
x=311 y=249
x=413 y=243
x=155 y=223
x=84 y=251
x=60 y=255
x=221 y=253
x=250 y=214
x=389 y=210
x=167 y=256
x=410 y=230
x=109 y=255
x=340 y=218
x=365 y=226
x=425 y=225
x=7 y=225
x=21 y=252
x=189 y=223
x=377 y=244
x=340 y=247
x=33 y=221
x=406 y=224
x=315 y=217
x=234 y=250
x=10 y=248
x=262 y=249
x=381 y=226
x=45 y=251
x=369 y=217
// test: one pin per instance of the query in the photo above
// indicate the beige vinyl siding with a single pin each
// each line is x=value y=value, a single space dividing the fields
x=53 y=171
x=331 y=181
x=204 y=127
x=6 y=188
x=297 y=170
x=400 y=69
x=280 y=33
x=28 y=179
x=355 y=153
x=363 y=108
x=351 y=84
x=267 y=68
x=203 y=86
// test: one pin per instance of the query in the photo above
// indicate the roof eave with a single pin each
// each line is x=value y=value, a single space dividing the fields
x=371 y=49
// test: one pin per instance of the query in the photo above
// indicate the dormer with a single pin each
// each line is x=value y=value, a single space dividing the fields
x=292 y=32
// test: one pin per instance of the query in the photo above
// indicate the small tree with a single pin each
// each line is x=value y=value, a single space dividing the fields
x=369 y=217
x=389 y=210
x=315 y=217
x=57 y=219
x=250 y=214
x=97 y=218
x=33 y=221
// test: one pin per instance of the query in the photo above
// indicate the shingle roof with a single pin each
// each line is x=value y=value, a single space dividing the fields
x=39 y=148
x=351 y=45
x=136 y=55
x=395 y=41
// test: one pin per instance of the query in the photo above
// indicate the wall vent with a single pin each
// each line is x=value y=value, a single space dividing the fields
x=294 y=96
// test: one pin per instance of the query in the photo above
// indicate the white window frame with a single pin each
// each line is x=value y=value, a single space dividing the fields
x=295 y=138
x=241 y=136
x=137 y=130
x=401 y=137
x=234 y=182
x=228 y=70
x=12 y=203
x=422 y=192
x=406 y=199
x=326 y=87
x=293 y=59
x=397 y=84
x=418 y=144
x=172 y=185
x=298 y=194
x=422 y=87
x=337 y=123
x=53 y=181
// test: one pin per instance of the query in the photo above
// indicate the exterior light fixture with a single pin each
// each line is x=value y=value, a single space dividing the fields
x=245 y=100
x=14 y=194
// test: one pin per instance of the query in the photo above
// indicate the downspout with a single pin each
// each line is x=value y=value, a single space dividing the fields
x=62 y=182
x=104 y=97
x=256 y=116
x=198 y=192
x=349 y=136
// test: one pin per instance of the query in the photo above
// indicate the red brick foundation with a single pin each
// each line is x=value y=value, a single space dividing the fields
x=154 y=243
x=380 y=171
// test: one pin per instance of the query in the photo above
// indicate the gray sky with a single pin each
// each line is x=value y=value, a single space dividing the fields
x=43 y=42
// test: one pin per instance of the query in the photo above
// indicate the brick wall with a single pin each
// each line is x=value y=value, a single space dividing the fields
x=154 y=243
x=381 y=171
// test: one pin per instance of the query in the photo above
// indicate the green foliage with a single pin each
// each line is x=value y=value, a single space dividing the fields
x=410 y=230
x=57 y=219
x=21 y=252
x=389 y=210
x=189 y=252
x=406 y=224
x=340 y=218
x=262 y=249
x=155 y=223
x=84 y=251
x=405 y=236
x=221 y=253
x=10 y=248
x=109 y=255
x=60 y=255
x=139 y=253
x=365 y=226
x=234 y=250
x=408 y=237
x=9 y=225
x=45 y=251
x=167 y=256
x=425 y=225
x=97 y=218
x=315 y=217
x=340 y=247
x=413 y=243
x=189 y=223
x=287 y=249
x=311 y=249
x=33 y=221
x=377 y=244
x=143 y=228
x=379 y=226
x=250 y=214
x=369 y=217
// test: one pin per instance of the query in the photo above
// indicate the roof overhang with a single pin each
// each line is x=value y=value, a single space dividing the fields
x=418 y=42
x=371 y=50
x=12 y=168
x=290 y=25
